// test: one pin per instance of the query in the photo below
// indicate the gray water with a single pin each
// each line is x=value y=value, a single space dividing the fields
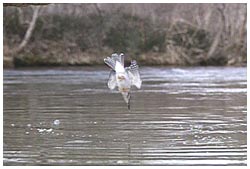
x=181 y=116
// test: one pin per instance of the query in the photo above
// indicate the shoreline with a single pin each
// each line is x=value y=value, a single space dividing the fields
x=96 y=59
x=104 y=66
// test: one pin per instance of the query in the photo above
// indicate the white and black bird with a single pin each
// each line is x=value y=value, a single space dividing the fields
x=123 y=78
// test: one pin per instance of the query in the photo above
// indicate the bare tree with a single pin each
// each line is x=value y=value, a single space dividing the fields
x=29 y=31
x=195 y=33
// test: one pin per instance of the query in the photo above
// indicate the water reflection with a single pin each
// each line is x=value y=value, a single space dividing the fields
x=184 y=116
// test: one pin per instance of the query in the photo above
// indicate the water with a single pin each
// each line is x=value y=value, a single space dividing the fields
x=181 y=116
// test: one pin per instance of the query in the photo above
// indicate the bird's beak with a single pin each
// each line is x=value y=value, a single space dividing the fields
x=129 y=106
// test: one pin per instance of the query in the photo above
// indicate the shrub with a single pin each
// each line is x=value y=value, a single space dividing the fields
x=133 y=34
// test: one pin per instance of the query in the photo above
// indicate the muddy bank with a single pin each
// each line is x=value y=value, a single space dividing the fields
x=96 y=58
x=62 y=54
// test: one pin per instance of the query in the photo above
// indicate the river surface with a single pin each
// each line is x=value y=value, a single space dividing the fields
x=180 y=116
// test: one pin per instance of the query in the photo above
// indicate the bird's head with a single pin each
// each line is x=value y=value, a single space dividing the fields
x=121 y=77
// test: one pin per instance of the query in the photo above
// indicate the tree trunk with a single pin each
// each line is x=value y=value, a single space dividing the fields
x=219 y=38
x=29 y=31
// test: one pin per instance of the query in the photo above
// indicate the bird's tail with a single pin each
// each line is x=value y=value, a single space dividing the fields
x=110 y=61
x=127 y=97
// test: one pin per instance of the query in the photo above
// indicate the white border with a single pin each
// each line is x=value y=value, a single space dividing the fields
x=118 y=1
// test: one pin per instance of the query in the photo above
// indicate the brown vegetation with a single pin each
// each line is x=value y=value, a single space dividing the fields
x=154 y=34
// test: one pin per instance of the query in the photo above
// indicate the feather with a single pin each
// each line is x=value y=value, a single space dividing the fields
x=119 y=58
x=112 y=80
x=110 y=62
x=134 y=75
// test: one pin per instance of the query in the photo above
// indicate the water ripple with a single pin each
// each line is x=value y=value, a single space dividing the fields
x=181 y=116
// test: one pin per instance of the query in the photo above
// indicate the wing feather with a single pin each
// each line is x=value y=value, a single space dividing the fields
x=112 y=80
x=134 y=75
x=110 y=62
x=119 y=58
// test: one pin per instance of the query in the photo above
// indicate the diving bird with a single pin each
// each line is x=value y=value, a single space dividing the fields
x=123 y=77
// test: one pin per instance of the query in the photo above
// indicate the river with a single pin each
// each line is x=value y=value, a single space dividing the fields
x=180 y=116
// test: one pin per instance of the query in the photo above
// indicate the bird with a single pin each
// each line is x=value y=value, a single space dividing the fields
x=123 y=77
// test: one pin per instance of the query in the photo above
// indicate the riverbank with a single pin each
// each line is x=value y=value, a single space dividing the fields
x=96 y=58
x=62 y=54
x=85 y=34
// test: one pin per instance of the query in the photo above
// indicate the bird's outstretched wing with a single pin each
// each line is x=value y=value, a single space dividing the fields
x=134 y=75
x=119 y=58
x=112 y=81
x=111 y=61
